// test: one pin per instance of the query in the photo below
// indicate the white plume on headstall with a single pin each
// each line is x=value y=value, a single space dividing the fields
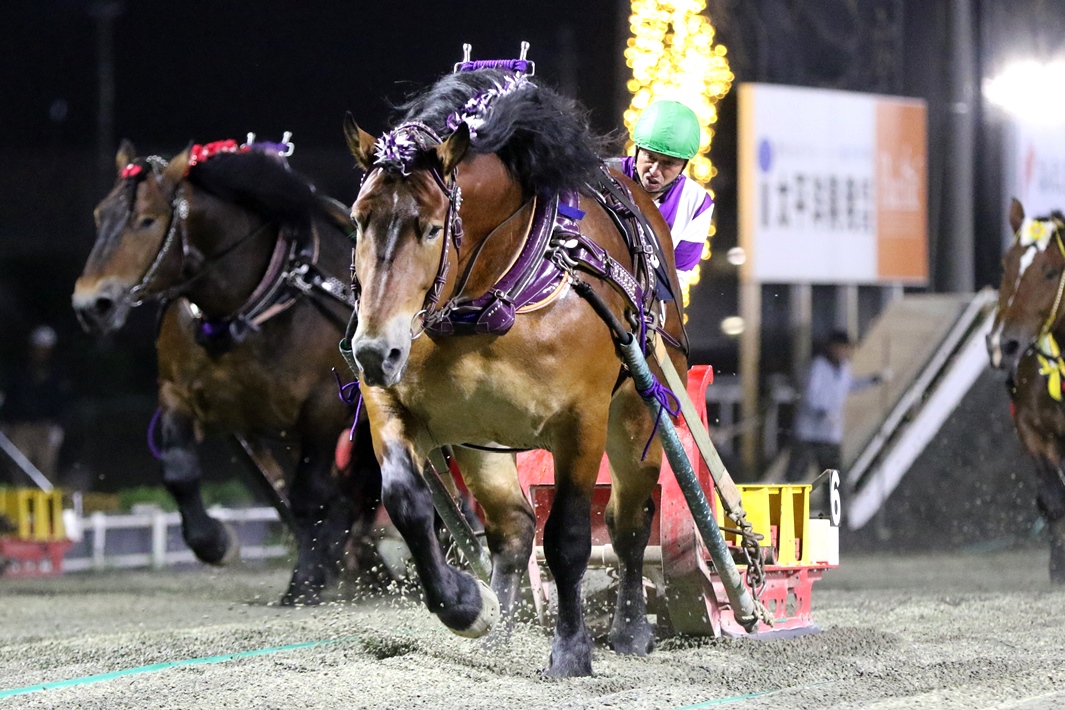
x=1034 y=233
x=475 y=112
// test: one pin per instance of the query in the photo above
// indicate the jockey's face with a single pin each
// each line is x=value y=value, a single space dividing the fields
x=657 y=171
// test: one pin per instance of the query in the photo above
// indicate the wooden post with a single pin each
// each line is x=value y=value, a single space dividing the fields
x=158 y=539
x=99 y=539
x=801 y=314
x=750 y=357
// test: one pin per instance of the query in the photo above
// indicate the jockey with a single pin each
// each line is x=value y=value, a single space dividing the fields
x=666 y=138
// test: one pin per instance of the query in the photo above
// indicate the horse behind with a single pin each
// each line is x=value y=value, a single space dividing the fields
x=1023 y=341
x=246 y=260
x=443 y=225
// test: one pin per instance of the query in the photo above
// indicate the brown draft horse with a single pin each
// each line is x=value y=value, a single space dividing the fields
x=1030 y=307
x=241 y=252
x=552 y=382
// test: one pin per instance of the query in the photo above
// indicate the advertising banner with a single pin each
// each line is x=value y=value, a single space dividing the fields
x=833 y=186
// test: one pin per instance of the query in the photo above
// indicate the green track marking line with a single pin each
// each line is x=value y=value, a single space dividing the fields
x=89 y=679
x=746 y=696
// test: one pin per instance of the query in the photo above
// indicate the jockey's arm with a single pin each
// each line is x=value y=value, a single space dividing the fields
x=689 y=240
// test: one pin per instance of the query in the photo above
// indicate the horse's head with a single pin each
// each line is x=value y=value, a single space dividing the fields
x=1030 y=295
x=401 y=215
x=132 y=223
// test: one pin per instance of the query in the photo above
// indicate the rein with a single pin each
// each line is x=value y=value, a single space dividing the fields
x=178 y=216
x=179 y=209
x=397 y=150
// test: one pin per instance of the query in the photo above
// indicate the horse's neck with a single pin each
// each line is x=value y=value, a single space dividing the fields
x=225 y=275
x=490 y=197
x=335 y=246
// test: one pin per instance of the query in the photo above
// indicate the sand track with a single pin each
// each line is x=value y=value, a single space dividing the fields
x=946 y=631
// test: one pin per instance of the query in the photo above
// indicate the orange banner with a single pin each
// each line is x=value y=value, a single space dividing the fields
x=902 y=192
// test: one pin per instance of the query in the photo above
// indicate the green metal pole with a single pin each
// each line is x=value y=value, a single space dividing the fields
x=743 y=604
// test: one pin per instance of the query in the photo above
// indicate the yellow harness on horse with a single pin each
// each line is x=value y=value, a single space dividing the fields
x=1051 y=364
x=1038 y=233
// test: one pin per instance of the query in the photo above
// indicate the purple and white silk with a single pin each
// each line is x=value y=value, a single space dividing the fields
x=687 y=209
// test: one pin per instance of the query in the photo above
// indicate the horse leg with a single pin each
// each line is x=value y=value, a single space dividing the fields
x=208 y=538
x=628 y=516
x=360 y=482
x=568 y=544
x=510 y=523
x=465 y=605
x=323 y=522
x=1051 y=502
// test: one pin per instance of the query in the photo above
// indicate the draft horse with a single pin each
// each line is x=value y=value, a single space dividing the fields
x=483 y=251
x=1028 y=326
x=245 y=259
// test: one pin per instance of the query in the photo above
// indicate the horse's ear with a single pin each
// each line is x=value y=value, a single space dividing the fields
x=360 y=143
x=126 y=155
x=454 y=148
x=1016 y=215
x=176 y=168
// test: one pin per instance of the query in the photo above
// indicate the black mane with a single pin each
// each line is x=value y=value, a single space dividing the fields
x=259 y=182
x=541 y=136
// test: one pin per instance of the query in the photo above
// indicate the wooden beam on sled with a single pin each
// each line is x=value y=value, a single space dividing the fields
x=726 y=487
x=455 y=522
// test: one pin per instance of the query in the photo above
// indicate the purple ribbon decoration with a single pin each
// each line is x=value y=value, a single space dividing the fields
x=473 y=114
x=662 y=395
x=396 y=148
x=156 y=452
x=350 y=394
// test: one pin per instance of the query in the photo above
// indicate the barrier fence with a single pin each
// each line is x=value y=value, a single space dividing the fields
x=153 y=539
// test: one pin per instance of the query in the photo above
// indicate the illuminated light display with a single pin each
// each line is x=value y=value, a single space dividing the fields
x=672 y=55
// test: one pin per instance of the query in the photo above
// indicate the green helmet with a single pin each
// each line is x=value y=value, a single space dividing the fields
x=670 y=128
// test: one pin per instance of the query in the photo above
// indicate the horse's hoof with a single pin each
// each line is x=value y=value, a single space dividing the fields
x=232 y=553
x=217 y=546
x=487 y=617
x=571 y=658
x=632 y=640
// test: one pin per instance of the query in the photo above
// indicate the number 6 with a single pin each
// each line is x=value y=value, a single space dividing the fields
x=835 y=505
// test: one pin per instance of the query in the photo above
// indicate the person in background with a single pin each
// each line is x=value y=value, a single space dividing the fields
x=666 y=138
x=817 y=434
x=33 y=402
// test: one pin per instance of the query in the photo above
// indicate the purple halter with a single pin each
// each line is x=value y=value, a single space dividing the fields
x=399 y=148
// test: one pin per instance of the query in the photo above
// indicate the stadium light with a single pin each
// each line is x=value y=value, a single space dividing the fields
x=1030 y=90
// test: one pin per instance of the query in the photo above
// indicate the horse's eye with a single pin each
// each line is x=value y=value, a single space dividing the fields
x=145 y=222
x=434 y=231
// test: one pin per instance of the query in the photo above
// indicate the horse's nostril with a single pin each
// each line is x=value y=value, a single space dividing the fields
x=393 y=356
x=103 y=305
x=1010 y=347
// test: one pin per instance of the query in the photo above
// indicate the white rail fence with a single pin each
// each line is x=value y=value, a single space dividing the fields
x=160 y=532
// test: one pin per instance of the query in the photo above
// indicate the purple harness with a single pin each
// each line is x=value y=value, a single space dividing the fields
x=554 y=248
